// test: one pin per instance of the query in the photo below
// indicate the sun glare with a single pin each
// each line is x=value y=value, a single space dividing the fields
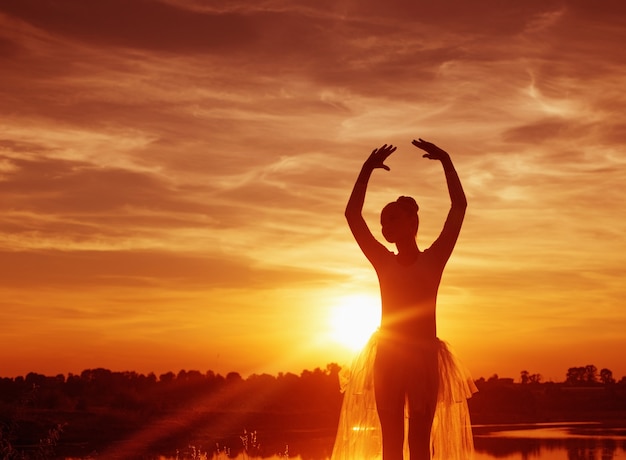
x=353 y=320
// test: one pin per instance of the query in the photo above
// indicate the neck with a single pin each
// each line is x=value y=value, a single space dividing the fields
x=407 y=250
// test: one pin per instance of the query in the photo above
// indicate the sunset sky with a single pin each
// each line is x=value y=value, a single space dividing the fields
x=173 y=176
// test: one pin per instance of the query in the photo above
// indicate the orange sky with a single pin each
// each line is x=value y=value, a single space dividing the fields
x=173 y=177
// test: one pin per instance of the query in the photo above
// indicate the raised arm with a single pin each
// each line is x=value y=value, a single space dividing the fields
x=451 y=229
x=354 y=209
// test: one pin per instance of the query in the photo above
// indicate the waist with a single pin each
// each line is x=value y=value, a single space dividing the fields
x=408 y=338
x=410 y=323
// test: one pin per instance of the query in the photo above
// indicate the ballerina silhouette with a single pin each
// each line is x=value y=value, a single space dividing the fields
x=413 y=373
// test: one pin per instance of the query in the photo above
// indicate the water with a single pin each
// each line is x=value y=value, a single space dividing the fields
x=551 y=441
x=547 y=441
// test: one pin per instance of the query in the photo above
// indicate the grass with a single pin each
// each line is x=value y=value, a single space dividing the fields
x=44 y=450
x=251 y=450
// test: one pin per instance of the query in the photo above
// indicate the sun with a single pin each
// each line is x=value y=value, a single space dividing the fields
x=353 y=320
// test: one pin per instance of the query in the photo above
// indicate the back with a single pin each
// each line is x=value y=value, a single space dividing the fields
x=409 y=293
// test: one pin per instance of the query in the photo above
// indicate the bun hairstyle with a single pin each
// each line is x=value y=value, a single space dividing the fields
x=408 y=204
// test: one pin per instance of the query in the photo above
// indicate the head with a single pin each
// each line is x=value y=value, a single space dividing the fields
x=399 y=219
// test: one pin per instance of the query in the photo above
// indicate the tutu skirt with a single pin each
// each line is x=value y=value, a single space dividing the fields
x=359 y=435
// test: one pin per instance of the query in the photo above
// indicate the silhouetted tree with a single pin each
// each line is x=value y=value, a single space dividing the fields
x=233 y=378
x=591 y=373
x=575 y=375
x=606 y=376
x=166 y=378
x=524 y=377
x=480 y=382
x=195 y=376
x=34 y=380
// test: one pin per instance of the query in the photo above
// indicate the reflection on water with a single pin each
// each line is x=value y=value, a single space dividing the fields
x=579 y=441
x=548 y=441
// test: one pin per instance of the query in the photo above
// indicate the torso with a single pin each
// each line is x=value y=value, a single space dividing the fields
x=409 y=296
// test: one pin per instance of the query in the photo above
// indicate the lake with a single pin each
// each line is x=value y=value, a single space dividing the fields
x=539 y=441
x=551 y=441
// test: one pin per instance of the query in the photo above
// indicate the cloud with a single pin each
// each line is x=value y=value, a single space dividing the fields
x=137 y=23
x=144 y=269
x=548 y=129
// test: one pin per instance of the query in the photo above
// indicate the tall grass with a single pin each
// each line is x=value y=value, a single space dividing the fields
x=43 y=450
x=251 y=450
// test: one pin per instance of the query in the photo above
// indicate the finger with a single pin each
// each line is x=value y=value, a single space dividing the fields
x=388 y=151
x=385 y=167
x=427 y=144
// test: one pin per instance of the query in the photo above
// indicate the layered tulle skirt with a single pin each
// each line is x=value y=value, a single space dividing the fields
x=359 y=434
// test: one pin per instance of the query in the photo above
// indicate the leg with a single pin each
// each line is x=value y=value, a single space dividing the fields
x=390 y=400
x=392 y=427
x=420 y=424
x=422 y=403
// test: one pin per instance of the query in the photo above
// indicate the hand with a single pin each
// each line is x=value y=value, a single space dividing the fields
x=378 y=157
x=432 y=151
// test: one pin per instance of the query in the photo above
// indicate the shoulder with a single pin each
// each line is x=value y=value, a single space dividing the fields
x=383 y=258
x=435 y=255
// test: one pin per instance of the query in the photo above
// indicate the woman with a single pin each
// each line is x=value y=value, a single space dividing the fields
x=413 y=374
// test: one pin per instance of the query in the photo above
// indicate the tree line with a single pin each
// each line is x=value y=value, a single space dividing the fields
x=576 y=376
x=310 y=390
x=172 y=391
x=585 y=394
